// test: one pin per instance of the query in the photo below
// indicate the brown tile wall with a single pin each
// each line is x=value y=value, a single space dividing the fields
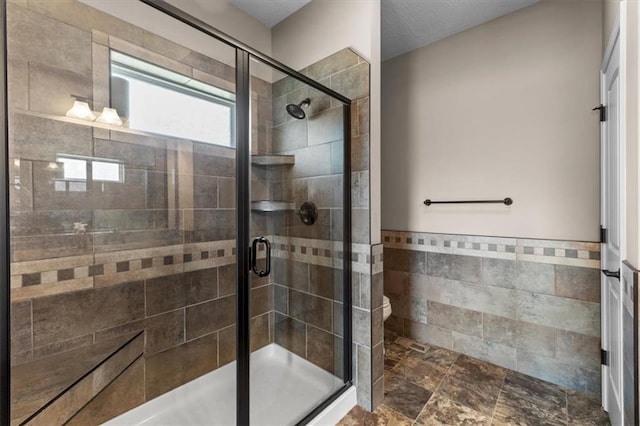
x=308 y=298
x=306 y=312
x=182 y=310
x=317 y=143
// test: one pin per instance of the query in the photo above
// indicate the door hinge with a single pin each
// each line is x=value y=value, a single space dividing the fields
x=603 y=235
x=603 y=112
x=604 y=357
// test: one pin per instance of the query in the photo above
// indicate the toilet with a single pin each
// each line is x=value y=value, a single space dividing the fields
x=386 y=307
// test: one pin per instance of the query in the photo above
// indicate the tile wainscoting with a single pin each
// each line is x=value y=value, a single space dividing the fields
x=532 y=306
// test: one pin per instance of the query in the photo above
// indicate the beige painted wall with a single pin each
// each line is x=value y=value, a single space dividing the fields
x=503 y=109
x=322 y=28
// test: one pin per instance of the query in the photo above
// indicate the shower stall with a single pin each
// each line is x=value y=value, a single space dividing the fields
x=178 y=224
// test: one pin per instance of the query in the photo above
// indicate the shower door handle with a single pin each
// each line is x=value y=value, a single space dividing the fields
x=254 y=257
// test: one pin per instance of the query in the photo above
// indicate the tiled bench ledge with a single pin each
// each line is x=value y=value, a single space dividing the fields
x=63 y=386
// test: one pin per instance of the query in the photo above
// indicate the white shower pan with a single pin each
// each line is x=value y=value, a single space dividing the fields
x=284 y=388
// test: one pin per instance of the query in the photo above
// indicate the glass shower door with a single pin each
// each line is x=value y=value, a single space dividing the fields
x=122 y=165
x=297 y=242
x=144 y=241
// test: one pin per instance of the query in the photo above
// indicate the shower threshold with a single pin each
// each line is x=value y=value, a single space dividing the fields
x=284 y=388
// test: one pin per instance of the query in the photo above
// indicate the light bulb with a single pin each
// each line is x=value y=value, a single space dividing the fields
x=81 y=110
x=109 y=116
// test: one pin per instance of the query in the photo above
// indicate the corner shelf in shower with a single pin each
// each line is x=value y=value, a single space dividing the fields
x=272 y=206
x=273 y=160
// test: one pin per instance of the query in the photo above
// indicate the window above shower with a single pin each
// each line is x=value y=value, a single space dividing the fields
x=157 y=100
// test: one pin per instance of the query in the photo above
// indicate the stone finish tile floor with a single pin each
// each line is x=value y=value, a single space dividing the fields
x=428 y=385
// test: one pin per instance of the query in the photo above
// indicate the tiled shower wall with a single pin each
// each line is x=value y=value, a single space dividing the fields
x=308 y=296
x=92 y=263
x=158 y=253
x=529 y=305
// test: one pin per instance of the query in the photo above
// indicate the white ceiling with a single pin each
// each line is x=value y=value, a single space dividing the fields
x=269 y=12
x=406 y=24
x=409 y=24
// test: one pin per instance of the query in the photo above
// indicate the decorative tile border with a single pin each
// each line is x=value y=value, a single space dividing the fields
x=324 y=253
x=570 y=253
x=46 y=277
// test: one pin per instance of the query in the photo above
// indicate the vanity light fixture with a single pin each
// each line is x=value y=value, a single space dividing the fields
x=80 y=109
x=110 y=116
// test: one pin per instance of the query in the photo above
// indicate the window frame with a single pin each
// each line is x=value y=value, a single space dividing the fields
x=224 y=98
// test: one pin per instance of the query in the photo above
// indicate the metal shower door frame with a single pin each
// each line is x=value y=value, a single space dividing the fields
x=244 y=54
x=5 y=291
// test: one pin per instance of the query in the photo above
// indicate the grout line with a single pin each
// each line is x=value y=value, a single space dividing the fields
x=306 y=341
x=399 y=413
x=144 y=297
x=217 y=282
x=29 y=99
x=144 y=378
x=566 y=400
x=184 y=325
x=446 y=375
x=31 y=328
x=495 y=407
x=217 y=348
x=198 y=337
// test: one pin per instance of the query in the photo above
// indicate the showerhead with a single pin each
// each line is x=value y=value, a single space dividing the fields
x=296 y=111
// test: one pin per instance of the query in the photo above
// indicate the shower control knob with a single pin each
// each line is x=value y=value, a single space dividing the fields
x=308 y=213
